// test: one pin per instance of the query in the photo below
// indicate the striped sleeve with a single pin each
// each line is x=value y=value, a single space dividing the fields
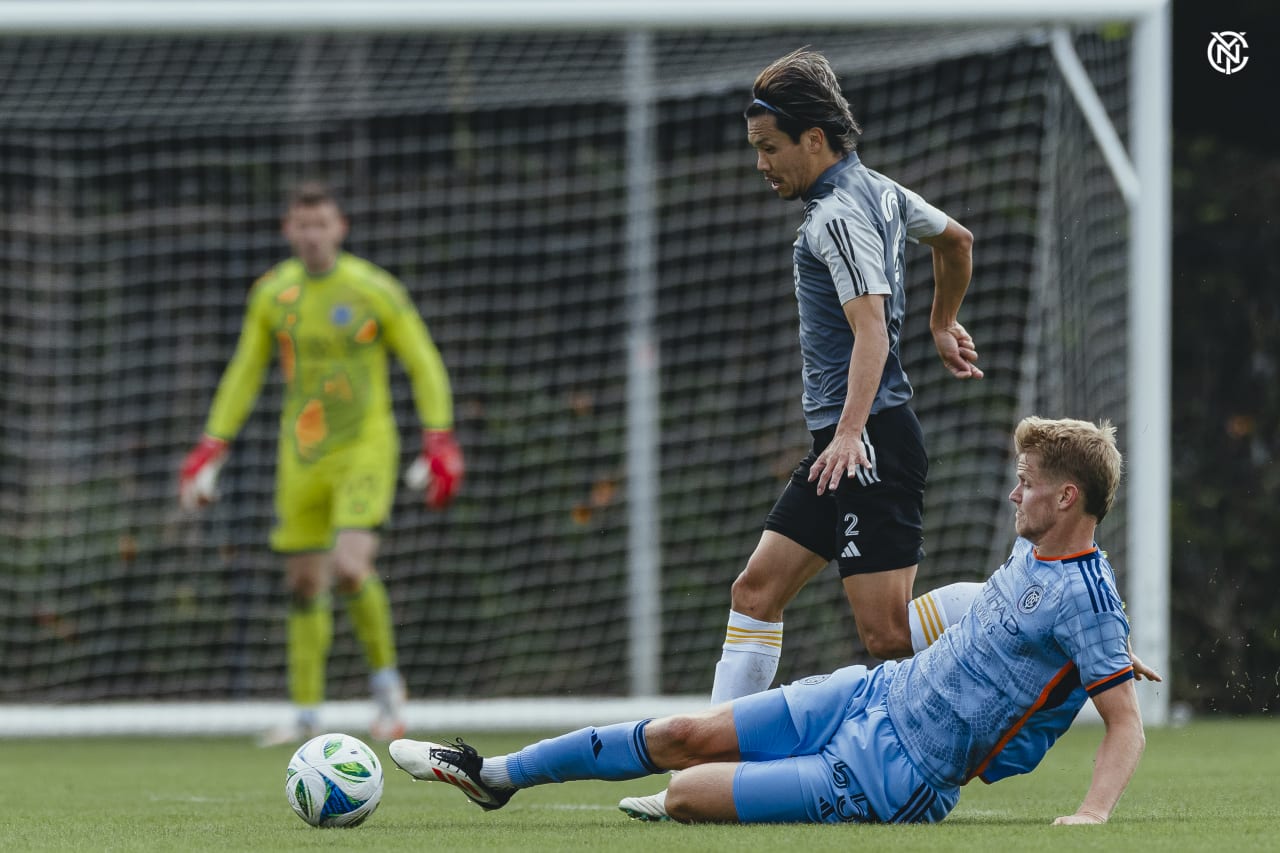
x=1091 y=625
x=1106 y=683
x=852 y=247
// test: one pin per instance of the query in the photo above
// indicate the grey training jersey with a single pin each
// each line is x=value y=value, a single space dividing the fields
x=853 y=242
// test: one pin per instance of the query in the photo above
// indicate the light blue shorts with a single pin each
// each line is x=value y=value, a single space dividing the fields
x=822 y=750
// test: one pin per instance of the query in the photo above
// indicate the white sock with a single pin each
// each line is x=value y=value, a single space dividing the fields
x=387 y=688
x=493 y=772
x=932 y=613
x=749 y=660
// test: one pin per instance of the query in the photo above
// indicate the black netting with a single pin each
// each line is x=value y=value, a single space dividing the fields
x=141 y=181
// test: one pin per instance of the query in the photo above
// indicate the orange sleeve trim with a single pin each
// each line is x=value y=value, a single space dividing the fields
x=1039 y=556
x=1017 y=727
x=1128 y=670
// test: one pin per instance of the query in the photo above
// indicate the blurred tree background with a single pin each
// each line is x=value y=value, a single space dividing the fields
x=1226 y=362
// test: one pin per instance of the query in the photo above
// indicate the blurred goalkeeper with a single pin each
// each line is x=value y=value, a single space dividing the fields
x=332 y=317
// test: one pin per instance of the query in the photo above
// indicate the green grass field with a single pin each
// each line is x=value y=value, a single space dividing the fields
x=1209 y=786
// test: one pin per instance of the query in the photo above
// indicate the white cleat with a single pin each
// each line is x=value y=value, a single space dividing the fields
x=458 y=765
x=294 y=733
x=650 y=808
x=390 y=697
x=387 y=728
x=414 y=758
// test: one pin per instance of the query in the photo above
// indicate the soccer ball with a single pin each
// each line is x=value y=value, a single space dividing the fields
x=334 y=780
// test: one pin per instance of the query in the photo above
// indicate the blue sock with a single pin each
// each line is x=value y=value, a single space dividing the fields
x=612 y=753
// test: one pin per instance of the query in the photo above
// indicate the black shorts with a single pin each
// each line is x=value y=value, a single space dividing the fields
x=875 y=521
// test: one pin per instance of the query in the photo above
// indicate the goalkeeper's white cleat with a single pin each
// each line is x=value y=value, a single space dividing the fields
x=650 y=808
x=387 y=728
x=390 y=697
x=295 y=733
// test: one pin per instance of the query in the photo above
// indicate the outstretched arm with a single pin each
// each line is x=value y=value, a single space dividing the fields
x=952 y=269
x=1117 y=755
x=440 y=467
x=234 y=399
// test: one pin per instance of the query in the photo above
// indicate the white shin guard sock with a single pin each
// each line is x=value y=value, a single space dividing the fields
x=932 y=613
x=749 y=659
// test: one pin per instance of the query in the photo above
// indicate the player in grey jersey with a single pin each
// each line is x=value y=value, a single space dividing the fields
x=858 y=497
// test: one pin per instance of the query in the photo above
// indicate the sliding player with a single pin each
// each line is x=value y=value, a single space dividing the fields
x=895 y=744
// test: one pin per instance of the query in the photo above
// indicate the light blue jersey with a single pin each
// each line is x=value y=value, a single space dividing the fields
x=853 y=242
x=997 y=689
x=895 y=743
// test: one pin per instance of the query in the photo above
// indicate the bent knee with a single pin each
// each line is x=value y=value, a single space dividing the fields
x=675 y=739
x=887 y=644
x=305 y=590
x=351 y=573
x=682 y=805
x=752 y=595
x=703 y=795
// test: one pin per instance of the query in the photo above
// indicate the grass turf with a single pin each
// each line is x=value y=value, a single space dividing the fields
x=1208 y=786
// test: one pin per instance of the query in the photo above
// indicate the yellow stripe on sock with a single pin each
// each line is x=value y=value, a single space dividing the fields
x=924 y=623
x=937 y=616
x=930 y=620
x=775 y=632
x=764 y=637
x=772 y=632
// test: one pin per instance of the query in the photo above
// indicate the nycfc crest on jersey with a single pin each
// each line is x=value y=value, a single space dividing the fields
x=1050 y=630
x=1031 y=599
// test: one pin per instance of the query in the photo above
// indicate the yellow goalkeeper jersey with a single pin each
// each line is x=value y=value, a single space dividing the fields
x=332 y=333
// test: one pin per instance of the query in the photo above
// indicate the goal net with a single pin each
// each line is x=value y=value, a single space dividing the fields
x=141 y=190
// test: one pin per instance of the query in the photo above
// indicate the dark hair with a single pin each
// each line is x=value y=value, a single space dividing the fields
x=311 y=194
x=801 y=91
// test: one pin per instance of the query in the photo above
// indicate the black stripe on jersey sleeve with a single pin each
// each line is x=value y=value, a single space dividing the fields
x=1105 y=684
x=838 y=230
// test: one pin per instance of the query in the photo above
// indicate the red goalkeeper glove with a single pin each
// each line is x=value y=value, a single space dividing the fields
x=439 y=469
x=198 y=482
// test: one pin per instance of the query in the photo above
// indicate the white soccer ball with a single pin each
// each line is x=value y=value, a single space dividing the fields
x=334 y=780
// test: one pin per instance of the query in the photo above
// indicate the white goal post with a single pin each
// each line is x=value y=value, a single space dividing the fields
x=1137 y=156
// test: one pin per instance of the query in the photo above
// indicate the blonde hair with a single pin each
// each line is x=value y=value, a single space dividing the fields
x=1079 y=451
